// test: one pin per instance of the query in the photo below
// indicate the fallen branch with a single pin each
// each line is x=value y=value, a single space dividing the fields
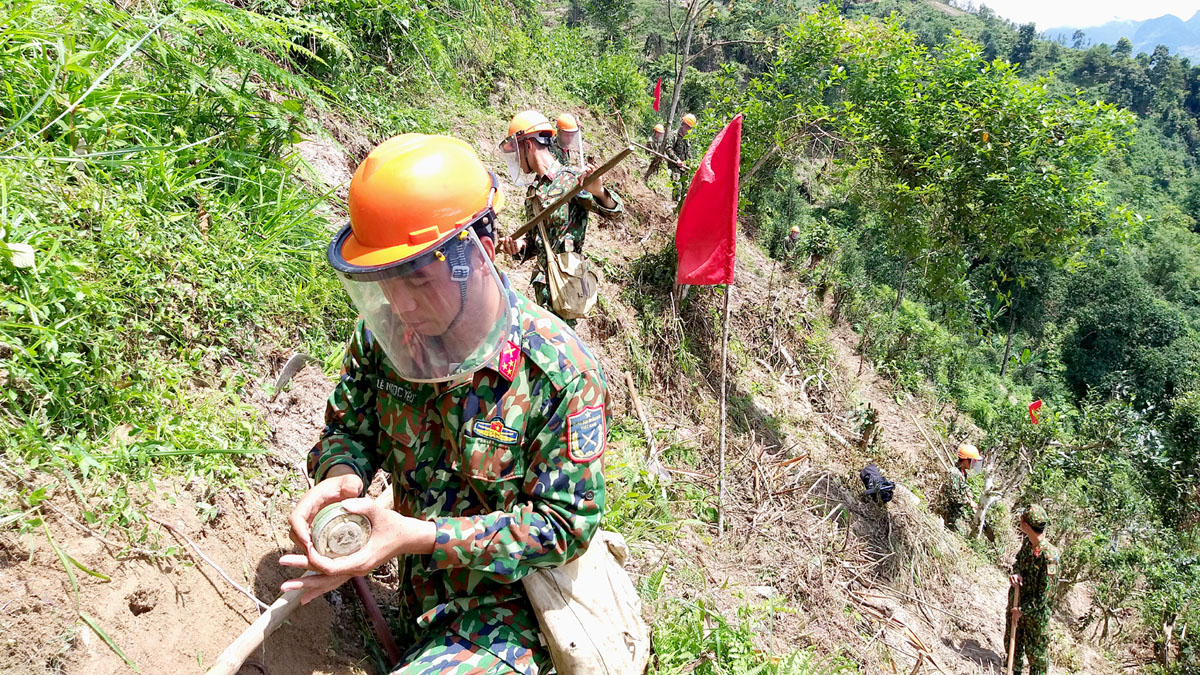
x=171 y=528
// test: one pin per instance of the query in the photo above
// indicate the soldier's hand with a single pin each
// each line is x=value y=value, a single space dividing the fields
x=511 y=246
x=340 y=483
x=593 y=184
x=1016 y=613
x=392 y=534
x=1015 y=580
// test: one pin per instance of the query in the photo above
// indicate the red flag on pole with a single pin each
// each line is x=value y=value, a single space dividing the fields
x=657 y=93
x=705 y=236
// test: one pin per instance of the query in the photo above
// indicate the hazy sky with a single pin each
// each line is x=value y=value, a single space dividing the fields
x=1051 y=13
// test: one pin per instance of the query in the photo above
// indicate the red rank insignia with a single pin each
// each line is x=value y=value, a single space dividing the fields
x=509 y=355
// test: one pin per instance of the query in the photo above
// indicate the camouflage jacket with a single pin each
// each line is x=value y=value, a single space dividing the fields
x=681 y=150
x=1039 y=572
x=568 y=158
x=507 y=464
x=957 y=493
x=567 y=227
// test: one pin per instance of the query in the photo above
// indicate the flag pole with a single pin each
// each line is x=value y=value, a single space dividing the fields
x=724 y=369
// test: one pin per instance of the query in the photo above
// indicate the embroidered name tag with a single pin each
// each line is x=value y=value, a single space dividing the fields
x=495 y=431
x=395 y=389
x=585 y=434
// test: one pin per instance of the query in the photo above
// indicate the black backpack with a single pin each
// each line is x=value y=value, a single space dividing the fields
x=877 y=488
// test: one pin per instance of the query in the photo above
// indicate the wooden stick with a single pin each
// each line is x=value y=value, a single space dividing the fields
x=236 y=653
x=941 y=457
x=1012 y=622
x=170 y=528
x=570 y=194
x=652 y=463
x=724 y=368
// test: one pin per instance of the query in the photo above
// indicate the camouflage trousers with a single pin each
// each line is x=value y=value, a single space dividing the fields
x=502 y=640
x=541 y=293
x=1032 y=642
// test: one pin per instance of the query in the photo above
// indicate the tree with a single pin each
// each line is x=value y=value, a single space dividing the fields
x=611 y=17
x=1077 y=39
x=1124 y=48
x=1023 y=48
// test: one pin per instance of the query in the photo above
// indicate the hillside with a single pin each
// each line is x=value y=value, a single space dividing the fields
x=1182 y=37
x=971 y=239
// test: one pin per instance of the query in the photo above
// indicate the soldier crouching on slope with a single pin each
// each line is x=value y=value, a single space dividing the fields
x=527 y=151
x=1035 y=572
x=489 y=414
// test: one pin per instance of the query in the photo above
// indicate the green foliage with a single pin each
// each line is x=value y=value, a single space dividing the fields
x=696 y=638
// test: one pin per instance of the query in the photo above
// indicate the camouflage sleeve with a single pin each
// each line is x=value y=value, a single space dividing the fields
x=351 y=424
x=562 y=496
x=587 y=201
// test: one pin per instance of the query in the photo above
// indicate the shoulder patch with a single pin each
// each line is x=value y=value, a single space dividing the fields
x=495 y=431
x=586 y=434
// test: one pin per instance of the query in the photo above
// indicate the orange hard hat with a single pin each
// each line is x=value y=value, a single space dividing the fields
x=658 y=129
x=968 y=451
x=408 y=196
x=566 y=122
x=689 y=119
x=795 y=229
x=529 y=122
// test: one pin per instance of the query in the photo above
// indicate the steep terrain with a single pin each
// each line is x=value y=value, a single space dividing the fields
x=802 y=564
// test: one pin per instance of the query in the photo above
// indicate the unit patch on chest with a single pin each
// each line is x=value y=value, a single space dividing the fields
x=586 y=434
x=495 y=431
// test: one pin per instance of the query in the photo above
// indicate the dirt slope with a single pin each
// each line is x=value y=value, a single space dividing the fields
x=887 y=587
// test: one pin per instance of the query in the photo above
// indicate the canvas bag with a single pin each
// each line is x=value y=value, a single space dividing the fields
x=590 y=613
x=574 y=285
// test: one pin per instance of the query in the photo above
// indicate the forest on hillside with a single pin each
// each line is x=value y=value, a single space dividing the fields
x=1002 y=219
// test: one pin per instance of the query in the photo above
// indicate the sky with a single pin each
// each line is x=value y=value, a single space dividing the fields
x=1085 y=13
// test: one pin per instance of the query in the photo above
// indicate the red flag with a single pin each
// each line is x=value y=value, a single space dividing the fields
x=1033 y=409
x=657 y=93
x=704 y=237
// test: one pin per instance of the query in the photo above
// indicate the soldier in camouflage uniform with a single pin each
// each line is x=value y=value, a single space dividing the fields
x=567 y=147
x=680 y=153
x=488 y=413
x=527 y=148
x=1035 y=571
x=957 y=501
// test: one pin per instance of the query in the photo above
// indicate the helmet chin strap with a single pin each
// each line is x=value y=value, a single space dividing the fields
x=460 y=271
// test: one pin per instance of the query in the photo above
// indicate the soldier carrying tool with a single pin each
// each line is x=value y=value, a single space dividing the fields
x=1034 y=575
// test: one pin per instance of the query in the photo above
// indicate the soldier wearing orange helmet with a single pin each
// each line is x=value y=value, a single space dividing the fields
x=526 y=150
x=568 y=141
x=957 y=501
x=680 y=154
x=488 y=412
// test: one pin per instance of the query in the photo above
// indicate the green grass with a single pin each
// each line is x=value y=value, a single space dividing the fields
x=693 y=637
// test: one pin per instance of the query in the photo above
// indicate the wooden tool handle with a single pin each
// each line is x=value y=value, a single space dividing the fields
x=231 y=659
x=1012 y=639
x=570 y=194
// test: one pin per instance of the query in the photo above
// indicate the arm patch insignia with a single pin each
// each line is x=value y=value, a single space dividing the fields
x=586 y=434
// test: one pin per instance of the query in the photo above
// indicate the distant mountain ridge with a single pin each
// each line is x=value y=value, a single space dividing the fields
x=1181 y=37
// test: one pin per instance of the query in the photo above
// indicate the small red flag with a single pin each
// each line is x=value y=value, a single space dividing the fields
x=1033 y=409
x=705 y=238
x=657 y=93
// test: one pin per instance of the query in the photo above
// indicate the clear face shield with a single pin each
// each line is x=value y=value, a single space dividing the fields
x=570 y=142
x=439 y=317
x=520 y=170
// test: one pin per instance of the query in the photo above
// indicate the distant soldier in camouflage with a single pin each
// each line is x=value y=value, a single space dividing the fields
x=1035 y=571
x=957 y=501
x=527 y=151
x=488 y=413
x=568 y=142
x=680 y=153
